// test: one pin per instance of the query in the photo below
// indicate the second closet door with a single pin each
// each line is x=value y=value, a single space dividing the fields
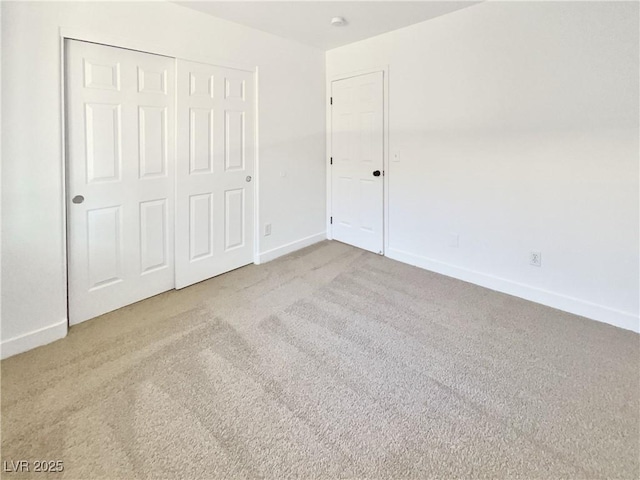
x=214 y=171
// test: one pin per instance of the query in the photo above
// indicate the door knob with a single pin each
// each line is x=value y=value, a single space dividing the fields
x=376 y=173
x=248 y=178
x=78 y=199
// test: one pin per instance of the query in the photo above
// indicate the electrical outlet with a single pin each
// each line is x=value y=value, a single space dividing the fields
x=454 y=240
x=535 y=259
x=267 y=229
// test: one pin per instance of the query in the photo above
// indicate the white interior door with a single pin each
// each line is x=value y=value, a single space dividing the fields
x=215 y=170
x=120 y=177
x=357 y=161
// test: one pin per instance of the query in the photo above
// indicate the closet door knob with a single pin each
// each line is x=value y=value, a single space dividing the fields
x=248 y=178
x=376 y=173
x=78 y=199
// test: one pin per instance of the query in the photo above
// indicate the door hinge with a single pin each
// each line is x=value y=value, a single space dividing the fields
x=331 y=220
x=331 y=101
x=331 y=161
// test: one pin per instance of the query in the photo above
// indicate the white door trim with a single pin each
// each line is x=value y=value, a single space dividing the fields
x=147 y=47
x=66 y=33
x=385 y=139
x=256 y=169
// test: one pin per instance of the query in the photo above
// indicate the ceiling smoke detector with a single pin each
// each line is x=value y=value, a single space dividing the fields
x=338 y=21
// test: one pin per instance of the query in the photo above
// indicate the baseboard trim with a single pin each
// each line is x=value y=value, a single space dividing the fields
x=36 y=338
x=290 y=247
x=573 y=305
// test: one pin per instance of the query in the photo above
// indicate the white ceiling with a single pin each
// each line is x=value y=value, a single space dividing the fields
x=309 y=21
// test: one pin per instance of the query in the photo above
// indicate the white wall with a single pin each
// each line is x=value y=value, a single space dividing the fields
x=517 y=126
x=291 y=139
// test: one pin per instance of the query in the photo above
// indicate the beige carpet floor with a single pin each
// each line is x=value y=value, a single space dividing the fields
x=329 y=363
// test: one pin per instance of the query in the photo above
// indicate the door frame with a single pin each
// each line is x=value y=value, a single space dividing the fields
x=146 y=47
x=385 y=148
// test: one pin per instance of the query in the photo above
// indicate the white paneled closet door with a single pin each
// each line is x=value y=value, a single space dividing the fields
x=120 y=177
x=214 y=171
x=357 y=170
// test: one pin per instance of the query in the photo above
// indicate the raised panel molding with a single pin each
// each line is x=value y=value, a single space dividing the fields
x=368 y=194
x=153 y=141
x=343 y=212
x=99 y=75
x=367 y=136
x=152 y=82
x=200 y=85
x=200 y=226
x=200 y=140
x=103 y=142
x=233 y=218
x=104 y=240
x=234 y=88
x=153 y=235
x=234 y=140
x=366 y=92
x=342 y=137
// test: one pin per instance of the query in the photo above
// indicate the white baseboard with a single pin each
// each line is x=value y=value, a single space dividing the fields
x=573 y=305
x=290 y=247
x=33 y=339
